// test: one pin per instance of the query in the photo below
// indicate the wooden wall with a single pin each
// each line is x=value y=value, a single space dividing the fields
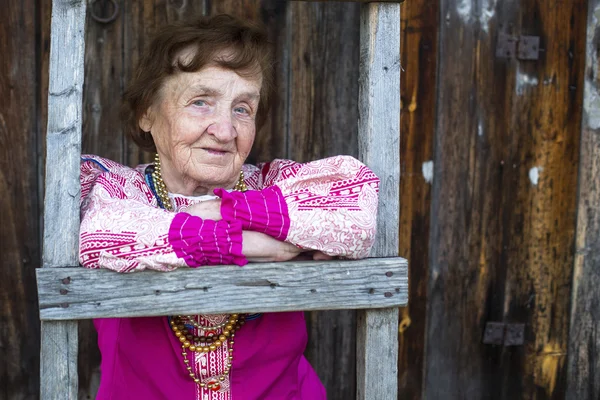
x=490 y=159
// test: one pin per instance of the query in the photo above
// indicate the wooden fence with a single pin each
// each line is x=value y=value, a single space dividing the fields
x=493 y=222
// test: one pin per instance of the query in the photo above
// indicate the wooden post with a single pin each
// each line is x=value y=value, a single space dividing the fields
x=583 y=379
x=379 y=147
x=58 y=363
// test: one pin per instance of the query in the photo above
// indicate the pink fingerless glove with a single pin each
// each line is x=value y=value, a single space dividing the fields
x=206 y=242
x=258 y=210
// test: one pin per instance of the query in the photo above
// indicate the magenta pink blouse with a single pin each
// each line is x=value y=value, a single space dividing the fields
x=327 y=205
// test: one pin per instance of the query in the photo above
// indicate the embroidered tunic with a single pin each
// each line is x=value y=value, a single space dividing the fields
x=328 y=205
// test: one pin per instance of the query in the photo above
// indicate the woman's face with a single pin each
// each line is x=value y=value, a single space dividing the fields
x=203 y=125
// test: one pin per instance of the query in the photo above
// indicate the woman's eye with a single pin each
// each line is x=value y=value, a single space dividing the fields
x=241 y=110
x=199 y=103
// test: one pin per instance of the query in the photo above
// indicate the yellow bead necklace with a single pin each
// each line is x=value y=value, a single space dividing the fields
x=189 y=341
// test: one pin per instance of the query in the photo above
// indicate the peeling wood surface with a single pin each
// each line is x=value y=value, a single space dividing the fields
x=498 y=229
x=583 y=372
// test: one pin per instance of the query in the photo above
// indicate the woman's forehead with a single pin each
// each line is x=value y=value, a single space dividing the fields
x=214 y=80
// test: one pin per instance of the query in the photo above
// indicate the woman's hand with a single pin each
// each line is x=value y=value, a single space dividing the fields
x=210 y=209
x=258 y=247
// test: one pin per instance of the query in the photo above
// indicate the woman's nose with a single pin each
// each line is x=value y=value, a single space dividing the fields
x=222 y=129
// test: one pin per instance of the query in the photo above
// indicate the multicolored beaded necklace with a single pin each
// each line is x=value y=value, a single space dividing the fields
x=189 y=341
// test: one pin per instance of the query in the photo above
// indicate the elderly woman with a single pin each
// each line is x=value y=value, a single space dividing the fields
x=198 y=95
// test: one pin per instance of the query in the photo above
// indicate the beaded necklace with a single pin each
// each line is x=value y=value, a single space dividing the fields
x=193 y=343
x=163 y=193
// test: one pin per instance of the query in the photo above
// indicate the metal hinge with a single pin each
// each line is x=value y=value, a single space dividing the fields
x=521 y=47
x=499 y=333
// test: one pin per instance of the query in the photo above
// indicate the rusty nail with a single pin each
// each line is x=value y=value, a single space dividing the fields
x=66 y=280
x=389 y=274
x=388 y=294
x=64 y=291
x=371 y=291
x=65 y=305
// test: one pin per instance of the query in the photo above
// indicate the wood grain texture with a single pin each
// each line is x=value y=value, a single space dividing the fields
x=104 y=62
x=503 y=204
x=379 y=115
x=583 y=372
x=19 y=220
x=417 y=121
x=379 y=147
x=323 y=80
x=376 y=352
x=58 y=360
x=269 y=287
x=63 y=139
x=58 y=355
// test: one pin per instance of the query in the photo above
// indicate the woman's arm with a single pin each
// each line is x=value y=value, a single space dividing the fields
x=121 y=228
x=328 y=205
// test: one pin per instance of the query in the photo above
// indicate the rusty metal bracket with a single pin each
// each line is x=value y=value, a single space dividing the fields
x=514 y=335
x=494 y=333
x=522 y=47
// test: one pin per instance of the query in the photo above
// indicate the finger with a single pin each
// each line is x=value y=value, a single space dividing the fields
x=320 y=256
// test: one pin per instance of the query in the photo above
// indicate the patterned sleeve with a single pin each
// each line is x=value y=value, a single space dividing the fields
x=328 y=205
x=123 y=230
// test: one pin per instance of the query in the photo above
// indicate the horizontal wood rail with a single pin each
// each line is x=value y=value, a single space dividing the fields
x=79 y=293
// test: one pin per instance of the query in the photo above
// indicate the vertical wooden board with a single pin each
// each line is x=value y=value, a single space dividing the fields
x=58 y=354
x=376 y=328
x=466 y=196
x=19 y=223
x=59 y=360
x=102 y=128
x=503 y=199
x=418 y=97
x=379 y=147
x=322 y=113
x=63 y=138
x=539 y=217
x=323 y=80
x=583 y=372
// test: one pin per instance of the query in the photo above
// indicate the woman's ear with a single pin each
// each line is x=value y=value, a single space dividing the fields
x=145 y=122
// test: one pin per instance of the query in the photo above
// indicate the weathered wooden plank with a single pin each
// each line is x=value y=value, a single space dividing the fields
x=377 y=338
x=19 y=220
x=271 y=287
x=583 y=370
x=379 y=115
x=379 y=147
x=58 y=363
x=58 y=360
x=503 y=202
x=104 y=62
x=63 y=139
x=418 y=93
